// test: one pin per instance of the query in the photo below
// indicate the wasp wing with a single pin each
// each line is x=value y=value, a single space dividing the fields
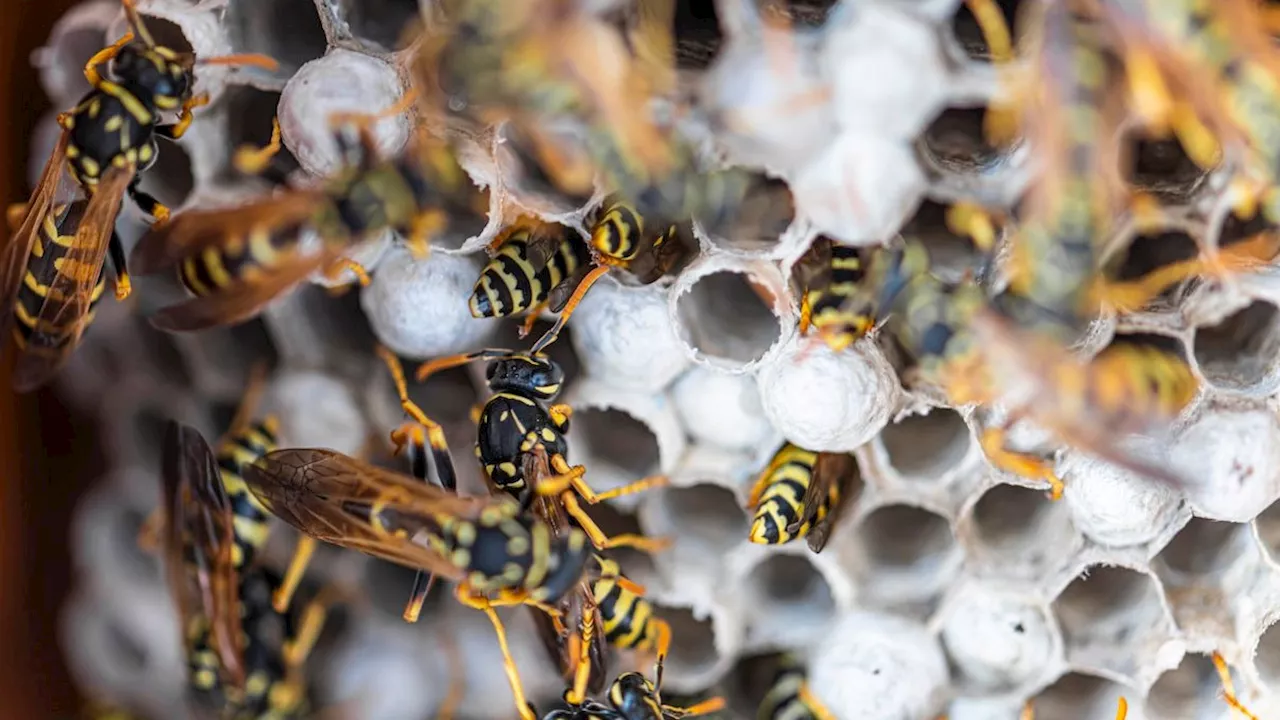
x=70 y=294
x=200 y=518
x=828 y=470
x=193 y=231
x=348 y=502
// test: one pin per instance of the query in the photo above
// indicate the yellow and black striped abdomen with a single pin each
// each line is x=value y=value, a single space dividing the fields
x=43 y=265
x=781 y=502
x=627 y=616
x=618 y=232
x=1140 y=380
x=250 y=521
x=784 y=701
x=218 y=267
x=512 y=283
x=829 y=305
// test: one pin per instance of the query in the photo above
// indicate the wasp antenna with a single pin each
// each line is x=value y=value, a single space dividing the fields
x=257 y=60
x=135 y=21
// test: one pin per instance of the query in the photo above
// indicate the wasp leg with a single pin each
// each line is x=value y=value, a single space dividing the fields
x=102 y=57
x=1019 y=463
x=434 y=433
x=513 y=674
x=1122 y=709
x=1133 y=294
x=816 y=707
x=806 y=314
x=178 y=129
x=1228 y=687
x=1028 y=712
x=148 y=204
x=457 y=679
x=663 y=646
x=251 y=160
x=124 y=286
x=580 y=652
x=424 y=227
x=567 y=311
x=1000 y=121
x=337 y=266
x=604 y=542
x=249 y=401
x=705 y=707
x=302 y=553
x=530 y=319
x=1148 y=93
x=427 y=369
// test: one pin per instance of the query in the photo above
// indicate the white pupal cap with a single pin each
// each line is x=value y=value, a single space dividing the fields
x=340 y=82
x=871 y=666
x=828 y=402
x=720 y=409
x=317 y=410
x=1233 y=457
x=624 y=335
x=1115 y=507
x=418 y=307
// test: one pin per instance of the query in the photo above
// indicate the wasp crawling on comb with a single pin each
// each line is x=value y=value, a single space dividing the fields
x=108 y=140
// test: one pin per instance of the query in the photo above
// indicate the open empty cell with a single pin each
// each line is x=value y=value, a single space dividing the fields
x=788 y=592
x=1110 y=616
x=724 y=316
x=288 y=31
x=1267 y=525
x=926 y=447
x=968 y=33
x=1266 y=657
x=1205 y=548
x=756 y=224
x=749 y=681
x=1235 y=229
x=698 y=35
x=909 y=551
x=1077 y=695
x=250 y=112
x=1160 y=167
x=951 y=255
x=170 y=179
x=1190 y=691
x=1149 y=252
x=806 y=14
x=705 y=520
x=1240 y=353
x=693 y=649
x=380 y=24
x=1017 y=532
x=955 y=142
x=612 y=437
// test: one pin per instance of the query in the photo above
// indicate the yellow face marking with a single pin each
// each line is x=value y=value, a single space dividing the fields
x=517 y=545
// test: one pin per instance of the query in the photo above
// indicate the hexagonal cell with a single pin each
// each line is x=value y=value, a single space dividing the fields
x=997 y=639
x=705 y=520
x=693 y=648
x=955 y=143
x=968 y=33
x=1266 y=657
x=249 y=114
x=1079 y=695
x=1160 y=166
x=951 y=255
x=926 y=447
x=1148 y=252
x=1240 y=353
x=1112 y=619
x=615 y=438
x=909 y=553
x=1018 y=533
x=1267 y=526
x=749 y=681
x=758 y=221
x=1203 y=548
x=724 y=315
x=288 y=31
x=1191 y=691
x=379 y=25
x=698 y=34
x=788 y=594
x=803 y=14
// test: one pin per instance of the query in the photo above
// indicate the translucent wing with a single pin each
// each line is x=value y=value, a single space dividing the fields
x=829 y=469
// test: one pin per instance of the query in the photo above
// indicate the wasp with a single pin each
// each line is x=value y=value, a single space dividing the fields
x=789 y=697
x=532 y=267
x=236 y=260
x=496 y=553
x=108 y=140
x=828 y=275
x=799 y=496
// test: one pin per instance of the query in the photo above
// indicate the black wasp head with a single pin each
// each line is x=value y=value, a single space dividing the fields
x=155 y=74
x=634 y=697
x=531 y=375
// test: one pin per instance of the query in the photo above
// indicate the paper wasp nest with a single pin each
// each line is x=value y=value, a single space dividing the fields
x=948 y=587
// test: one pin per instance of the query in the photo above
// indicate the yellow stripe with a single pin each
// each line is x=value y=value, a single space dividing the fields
x=132 y=104
x=34 y=285
x=212 y=258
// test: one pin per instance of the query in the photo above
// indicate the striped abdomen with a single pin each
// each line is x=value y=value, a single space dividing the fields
x=829 y=305
x=250 y=517
x=627 y=616
x=781 y=505
x=506 y=550
x=618 y=231
x=47 y=252
x=512 y=283
x=217 y=267
x=784 y=701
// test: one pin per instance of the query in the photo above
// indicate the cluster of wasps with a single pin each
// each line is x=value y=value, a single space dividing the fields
x=571 y=94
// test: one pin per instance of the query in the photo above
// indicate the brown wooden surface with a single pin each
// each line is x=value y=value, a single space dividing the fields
x=45 y=454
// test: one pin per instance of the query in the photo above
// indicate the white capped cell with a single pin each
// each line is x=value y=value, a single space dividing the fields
x=1232 y=457
x=720 y=409
x=624 y=336
x=1115 y=507
x=317 y=410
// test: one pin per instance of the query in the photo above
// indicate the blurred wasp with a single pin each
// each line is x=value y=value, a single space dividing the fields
x=496 y=553
x=789 y=697
x=235 y=260
x=108 y=139
x=1122 y=710
x=799 y=495
x=828 y=275
x=534 y=265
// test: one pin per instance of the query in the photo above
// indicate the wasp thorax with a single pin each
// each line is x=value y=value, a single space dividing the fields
x=537 y=377
x=152 y=74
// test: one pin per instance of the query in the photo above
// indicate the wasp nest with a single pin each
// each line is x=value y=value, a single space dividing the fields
x=948 y=587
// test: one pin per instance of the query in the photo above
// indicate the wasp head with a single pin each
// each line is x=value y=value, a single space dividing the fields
x=154 y=73
x=533 y=375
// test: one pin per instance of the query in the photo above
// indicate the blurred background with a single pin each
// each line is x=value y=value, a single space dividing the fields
x=45 y=450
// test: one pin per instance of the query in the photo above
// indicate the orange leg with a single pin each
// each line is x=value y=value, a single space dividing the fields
x=252 y=161
x=302 y=553
x=1228 y=687
x=103 y=56
x=565 y=313
x=1019 y=463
